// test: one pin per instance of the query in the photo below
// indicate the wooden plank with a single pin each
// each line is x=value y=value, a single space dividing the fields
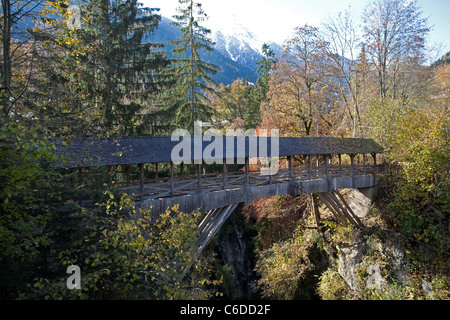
x=247 y=169
x=199 y=177
x=172 y=187
x=352 y=160
x=141 y=180
x=374 y=155
x=209 y=225
x=309 y=166
x=315 y=208
x=329 y=206
x=217 y=225
x=335 y=202
x=290 y=167
x=355 y=217
x=206 y=220
x=225 y=174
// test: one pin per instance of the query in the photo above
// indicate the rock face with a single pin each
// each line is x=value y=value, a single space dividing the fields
x=237 y=252
x=360 y=201
x=349 y=259
x=365 y=262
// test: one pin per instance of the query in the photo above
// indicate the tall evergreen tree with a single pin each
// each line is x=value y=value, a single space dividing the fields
x=117 y=72
x=187 y=102
x=127 y=65
x=265 y=66
x=258 y=92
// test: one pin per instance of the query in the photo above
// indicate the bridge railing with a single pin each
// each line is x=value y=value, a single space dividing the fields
x=225 y=180
x=139 y=158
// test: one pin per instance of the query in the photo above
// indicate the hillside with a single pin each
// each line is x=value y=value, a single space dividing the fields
x=442 y=61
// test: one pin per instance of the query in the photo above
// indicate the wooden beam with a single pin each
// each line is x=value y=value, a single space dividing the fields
x=127 y=173
x=352 y=160
x=355 y=217
x=182 y=169
x=80 y=176
x=335 y=202
x=374 y=155
x=290 y=167
x=315 y=208
x=224 y=174
x=247 y=174
x=337 y=207
x=171 y=179
x=364 y=163
x=205 y=221
x=309 y=166
x=220 y=216
x=199 y=177
x=141 y=180
x=325 y=200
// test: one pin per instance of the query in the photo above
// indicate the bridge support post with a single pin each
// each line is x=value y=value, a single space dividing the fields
x=247 y=173
x=80 y=176
x=352 y=159
x=309 y=167
x=225 y=173
x=327 y=178
x=141 y=180
x=364 y=164
x=374 y=155
x=171 y=180
x=315 y=208
x=199 y=177
x=290 y=167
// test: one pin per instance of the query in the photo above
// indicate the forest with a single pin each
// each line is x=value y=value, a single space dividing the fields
x=91 y=70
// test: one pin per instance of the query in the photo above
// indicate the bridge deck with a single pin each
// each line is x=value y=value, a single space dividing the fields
x=213 y=191
x=209 y=192
x=165 y=188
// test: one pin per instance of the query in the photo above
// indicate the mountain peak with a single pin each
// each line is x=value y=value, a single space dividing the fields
x=236 y=50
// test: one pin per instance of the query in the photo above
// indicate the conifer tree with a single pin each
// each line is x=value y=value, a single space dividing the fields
x=117 y=72
x=128 y=65
x=187 y=102
x=258 y=92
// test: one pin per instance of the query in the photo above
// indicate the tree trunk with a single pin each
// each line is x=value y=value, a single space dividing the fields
x=6 y=68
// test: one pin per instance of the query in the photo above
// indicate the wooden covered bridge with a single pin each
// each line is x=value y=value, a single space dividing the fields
x=308 y=165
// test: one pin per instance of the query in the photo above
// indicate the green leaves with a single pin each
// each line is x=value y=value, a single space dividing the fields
x=125 y=253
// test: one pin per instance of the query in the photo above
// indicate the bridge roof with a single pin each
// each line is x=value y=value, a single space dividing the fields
x=135 y=150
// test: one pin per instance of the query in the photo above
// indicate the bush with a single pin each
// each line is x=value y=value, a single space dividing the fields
x=332 y=286
x=29 y=194
x=125 y=254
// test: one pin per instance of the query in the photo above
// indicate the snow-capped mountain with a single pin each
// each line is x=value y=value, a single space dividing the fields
x=236 y=50
x=236 y=40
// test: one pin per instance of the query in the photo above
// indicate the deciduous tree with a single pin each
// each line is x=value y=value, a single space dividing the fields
x=395 y=36
x=298 y=84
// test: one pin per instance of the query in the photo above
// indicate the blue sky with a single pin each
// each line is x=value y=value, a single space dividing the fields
x=275 y=19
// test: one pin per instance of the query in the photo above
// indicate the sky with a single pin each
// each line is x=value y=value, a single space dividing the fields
x=274 y=20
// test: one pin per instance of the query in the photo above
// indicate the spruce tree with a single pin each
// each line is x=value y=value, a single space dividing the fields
x=187 y=102
x=128 y=65
x=110 y=63
x=258 y=92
